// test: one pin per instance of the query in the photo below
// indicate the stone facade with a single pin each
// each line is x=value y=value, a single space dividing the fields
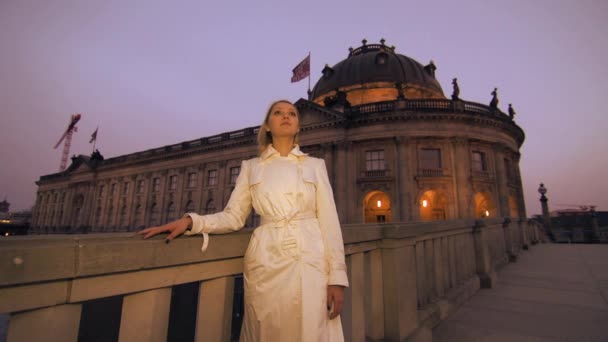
x=390 y=159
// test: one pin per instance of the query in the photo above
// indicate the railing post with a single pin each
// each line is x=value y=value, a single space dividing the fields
x=483 y=262
x=214 y=317
x=374 y=307
x=525 y=242
x=353 y=315
x=400 y=293
x=56 y=323
x=145 y=316
x=509 y=243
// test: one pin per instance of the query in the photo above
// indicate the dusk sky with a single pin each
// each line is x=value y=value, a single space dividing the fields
x=152 y=73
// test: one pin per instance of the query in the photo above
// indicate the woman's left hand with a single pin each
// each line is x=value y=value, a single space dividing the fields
x=335 y=300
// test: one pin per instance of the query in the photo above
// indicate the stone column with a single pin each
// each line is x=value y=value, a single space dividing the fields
x=145 y=316
x=214 y=318
x=55 y=323
x=341 y=183
x=483 y=260
x=400 y=164
x=353 y=315
x=461 y=162
x=502 y=205
x=405 y=178
x=521 y=205
x=399 y=286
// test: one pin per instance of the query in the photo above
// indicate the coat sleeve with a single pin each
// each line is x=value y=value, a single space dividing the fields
x=330 y=228
x=233 y=217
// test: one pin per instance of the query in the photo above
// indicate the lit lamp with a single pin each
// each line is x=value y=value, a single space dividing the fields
x=487 y=213
x=379 y=203
x=542 y=190
x=425 y=203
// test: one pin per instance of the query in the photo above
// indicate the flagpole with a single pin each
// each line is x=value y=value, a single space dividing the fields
x=309 y=64
x=95 y=141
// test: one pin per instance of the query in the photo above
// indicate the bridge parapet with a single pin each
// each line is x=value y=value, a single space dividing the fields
x=405 y=278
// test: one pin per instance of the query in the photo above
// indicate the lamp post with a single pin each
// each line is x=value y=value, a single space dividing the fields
x=545 y=207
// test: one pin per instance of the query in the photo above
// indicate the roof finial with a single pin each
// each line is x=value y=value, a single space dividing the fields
x=382 y=40
x=364 y=41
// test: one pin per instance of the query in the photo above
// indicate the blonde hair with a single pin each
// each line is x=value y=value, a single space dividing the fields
x=264 y=135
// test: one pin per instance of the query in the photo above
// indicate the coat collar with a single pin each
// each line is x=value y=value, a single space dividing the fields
x=271 y=151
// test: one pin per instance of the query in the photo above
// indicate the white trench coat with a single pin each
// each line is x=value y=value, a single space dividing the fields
x=293 y=255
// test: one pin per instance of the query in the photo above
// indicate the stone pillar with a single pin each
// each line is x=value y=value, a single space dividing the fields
x=483 y=261
x=341 y=184
x=145 y=316
x=214 y=318
x=403 y=175
x=353 y=315
x=55 y=323
x=399 y=286
x=374 y=307
x=502 y=193
x=88 y=207
x=521 y=205
x=461 y=162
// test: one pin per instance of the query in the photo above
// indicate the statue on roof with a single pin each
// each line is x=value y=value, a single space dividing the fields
x=456 y=91
x=96 y=155
x=494 y=102
x=511 y=111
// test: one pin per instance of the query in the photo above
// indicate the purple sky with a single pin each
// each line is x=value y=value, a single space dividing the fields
x=152 y=73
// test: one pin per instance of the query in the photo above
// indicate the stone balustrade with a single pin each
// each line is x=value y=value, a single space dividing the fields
x=405 y=278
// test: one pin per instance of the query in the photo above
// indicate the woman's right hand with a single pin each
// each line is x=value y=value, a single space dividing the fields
x=175 y=229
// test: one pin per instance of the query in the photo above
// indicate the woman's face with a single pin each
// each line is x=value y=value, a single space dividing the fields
x=283 y=120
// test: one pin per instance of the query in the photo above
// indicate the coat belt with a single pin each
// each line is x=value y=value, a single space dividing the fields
x=284 y=221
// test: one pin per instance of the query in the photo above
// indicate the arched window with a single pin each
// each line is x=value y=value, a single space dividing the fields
x=484 y=206
x=377 y=206
x=433 y=206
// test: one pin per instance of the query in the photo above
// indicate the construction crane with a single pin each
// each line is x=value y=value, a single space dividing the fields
x=67 y=140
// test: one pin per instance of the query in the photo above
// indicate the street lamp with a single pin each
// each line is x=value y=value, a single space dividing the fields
x=545 y=206
x=542 y=190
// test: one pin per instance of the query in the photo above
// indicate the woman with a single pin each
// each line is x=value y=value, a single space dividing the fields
x=294 y=267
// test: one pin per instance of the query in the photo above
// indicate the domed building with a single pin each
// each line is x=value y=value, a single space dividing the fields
x=395 y=147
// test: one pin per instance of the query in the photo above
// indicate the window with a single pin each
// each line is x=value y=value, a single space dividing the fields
x=125 y=188
x=171 y=212
x=211 y=177
x=173 y=182
x=234 y=173
x=140 y=186
x=430 y=159
x=156 y=184
x=192 y=180
x=113 y=189
x=374 y=160
x=101 y=190
x=190 y=207
x=479 y=161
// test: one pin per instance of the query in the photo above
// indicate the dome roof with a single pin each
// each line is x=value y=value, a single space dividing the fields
x=377 y=66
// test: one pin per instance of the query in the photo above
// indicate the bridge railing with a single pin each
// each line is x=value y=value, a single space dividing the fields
x=404 y=278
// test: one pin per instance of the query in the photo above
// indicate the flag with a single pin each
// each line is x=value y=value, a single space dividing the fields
x=93 y=136
x=301 y=70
